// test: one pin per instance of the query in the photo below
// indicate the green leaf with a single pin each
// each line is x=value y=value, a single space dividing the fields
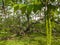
x=52 y=7
x=29 y=8
x=37 y=7
x=36 y=2
x=16 y=7
x=8 y=2
x=22 y=7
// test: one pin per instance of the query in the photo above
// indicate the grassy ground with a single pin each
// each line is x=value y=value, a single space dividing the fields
x=34 y=39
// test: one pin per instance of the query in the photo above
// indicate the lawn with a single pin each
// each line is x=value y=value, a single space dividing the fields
x=33 y=39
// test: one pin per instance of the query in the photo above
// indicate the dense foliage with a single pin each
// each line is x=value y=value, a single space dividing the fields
x=30 y=18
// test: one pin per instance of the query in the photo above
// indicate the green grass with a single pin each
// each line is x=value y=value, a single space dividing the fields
x=31 y=40
x=25 y=41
